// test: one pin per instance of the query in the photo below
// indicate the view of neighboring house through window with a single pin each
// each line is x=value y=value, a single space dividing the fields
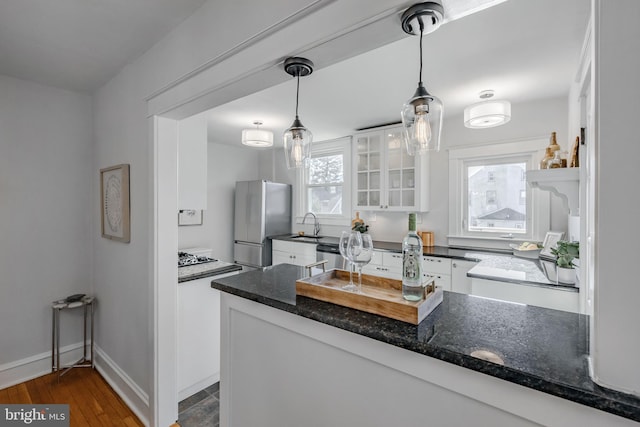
x=497 y=197
x=325 y=182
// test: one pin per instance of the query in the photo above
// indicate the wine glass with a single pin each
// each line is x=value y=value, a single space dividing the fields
x=360 y=251
x=344 y=240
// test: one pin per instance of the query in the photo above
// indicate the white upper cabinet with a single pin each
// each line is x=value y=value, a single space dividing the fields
x=192 y=163
x=385 y=176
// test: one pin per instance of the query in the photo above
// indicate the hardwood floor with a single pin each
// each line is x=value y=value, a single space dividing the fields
x=92 y=402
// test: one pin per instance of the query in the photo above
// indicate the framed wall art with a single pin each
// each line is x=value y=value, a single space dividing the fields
x=550 y=241
x=114 y=193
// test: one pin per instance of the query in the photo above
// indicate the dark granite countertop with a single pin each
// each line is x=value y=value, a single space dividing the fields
x=542 y=349
x=437 y=251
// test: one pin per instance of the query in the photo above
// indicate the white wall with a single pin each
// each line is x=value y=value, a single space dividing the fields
x=46 y=224
x=226 y=165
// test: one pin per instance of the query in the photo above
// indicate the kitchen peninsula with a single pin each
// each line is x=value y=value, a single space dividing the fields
x=290 y=360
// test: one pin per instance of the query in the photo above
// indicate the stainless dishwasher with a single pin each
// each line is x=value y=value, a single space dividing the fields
x=332 y=254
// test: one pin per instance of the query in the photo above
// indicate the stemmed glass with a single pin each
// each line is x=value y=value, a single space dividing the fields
x=359 y=252
x=344 y=240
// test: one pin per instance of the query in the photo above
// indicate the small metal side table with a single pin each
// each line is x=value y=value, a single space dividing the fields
x=87 y=304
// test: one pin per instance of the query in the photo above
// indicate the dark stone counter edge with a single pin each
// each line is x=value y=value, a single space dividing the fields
x=566 y=288
x=211 y=273
x=607 y=400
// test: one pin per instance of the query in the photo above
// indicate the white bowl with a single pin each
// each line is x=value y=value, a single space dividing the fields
x=530 y=253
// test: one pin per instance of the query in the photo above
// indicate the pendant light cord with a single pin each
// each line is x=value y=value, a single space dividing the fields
x=297 y=92
x=421 y=32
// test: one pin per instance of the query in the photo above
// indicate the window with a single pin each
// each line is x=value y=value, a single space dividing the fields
x=324 y=187
x=488 y=196
x=501 y=208
x=324 y=184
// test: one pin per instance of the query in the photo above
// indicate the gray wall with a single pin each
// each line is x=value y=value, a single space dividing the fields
x=46 y=223
x=226 y=165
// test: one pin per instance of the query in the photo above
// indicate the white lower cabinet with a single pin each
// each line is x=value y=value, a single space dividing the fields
x=198 y=336
x=385 y=264
x=389 y=264
x=557 y=299
x=459 y=281
x=285 y=252
x=440 y=269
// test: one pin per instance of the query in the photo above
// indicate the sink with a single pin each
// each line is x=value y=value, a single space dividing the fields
x=308 y=239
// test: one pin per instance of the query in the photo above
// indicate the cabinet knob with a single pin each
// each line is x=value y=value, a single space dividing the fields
x=454 y=265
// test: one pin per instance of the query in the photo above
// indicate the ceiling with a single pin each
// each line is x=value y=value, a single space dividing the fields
x=524 y=50
x=81 y=44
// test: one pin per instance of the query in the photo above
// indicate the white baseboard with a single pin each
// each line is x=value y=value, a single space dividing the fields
x=200 y=385
x=31 y=367
x=124 y=386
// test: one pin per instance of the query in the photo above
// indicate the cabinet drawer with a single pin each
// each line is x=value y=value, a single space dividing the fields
x=382 y=271
x=436 y=265
x=392 y=259
x=302 y=249
x=442 y=280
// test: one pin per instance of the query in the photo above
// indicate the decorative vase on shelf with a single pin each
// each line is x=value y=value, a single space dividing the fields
x=555 y=161
x=550 y=151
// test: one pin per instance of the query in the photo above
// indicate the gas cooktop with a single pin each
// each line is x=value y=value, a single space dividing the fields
x=185 y=259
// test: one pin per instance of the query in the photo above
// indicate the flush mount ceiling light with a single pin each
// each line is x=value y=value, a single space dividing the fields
x=422 y=114
x=257 y=137
x=487 y=114
x=297 y=139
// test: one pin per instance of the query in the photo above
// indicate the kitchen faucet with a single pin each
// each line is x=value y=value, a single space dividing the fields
x=316 y=224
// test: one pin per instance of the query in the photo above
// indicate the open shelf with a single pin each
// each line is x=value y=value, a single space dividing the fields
x=563 y=182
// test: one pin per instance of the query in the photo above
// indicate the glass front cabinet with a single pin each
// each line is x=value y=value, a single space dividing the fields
x=386 y=177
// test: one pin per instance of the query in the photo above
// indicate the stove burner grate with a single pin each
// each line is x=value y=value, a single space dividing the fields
x=185 y=259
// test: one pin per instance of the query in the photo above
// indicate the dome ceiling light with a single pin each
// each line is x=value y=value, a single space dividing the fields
x=297 y=139
x=257 y=137
x=422 y=114
x=488 y=113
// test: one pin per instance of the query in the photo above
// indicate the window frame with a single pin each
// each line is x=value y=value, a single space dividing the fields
x=339 y=146
x=538 y=202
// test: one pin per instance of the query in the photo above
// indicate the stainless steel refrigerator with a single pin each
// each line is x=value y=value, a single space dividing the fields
x=262 y=209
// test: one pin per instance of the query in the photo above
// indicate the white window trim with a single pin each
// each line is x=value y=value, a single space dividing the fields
x=540 y=208
x=334 y=146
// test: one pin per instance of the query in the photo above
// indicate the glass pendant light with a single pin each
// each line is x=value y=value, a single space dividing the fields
x=297 y=139
x=422 y=114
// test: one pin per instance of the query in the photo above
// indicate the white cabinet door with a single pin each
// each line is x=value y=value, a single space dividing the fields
x=198 y=336
x=293 y=253
x=385 y=176
x=459 y=280
x=192 y=163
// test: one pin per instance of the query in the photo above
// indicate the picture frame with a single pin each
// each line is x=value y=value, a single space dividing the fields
x=115 y=203
x=550 y=241
x=190 y=217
